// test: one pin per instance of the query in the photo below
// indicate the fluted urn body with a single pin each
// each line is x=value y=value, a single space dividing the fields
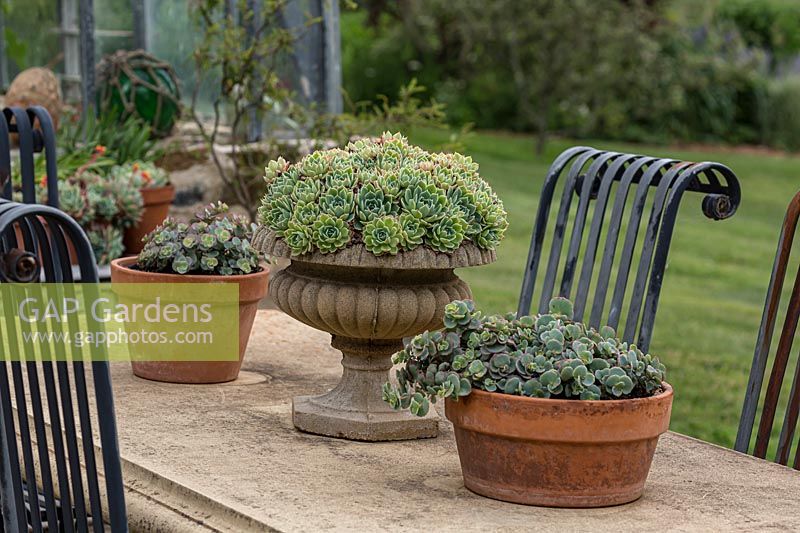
x=368 y=304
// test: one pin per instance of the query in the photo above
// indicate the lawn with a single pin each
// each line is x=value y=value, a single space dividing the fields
x=716 y=276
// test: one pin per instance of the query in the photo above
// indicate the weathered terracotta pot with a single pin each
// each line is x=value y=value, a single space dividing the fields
x=368 y=304
x=156 y=202
x=557 y=453
x=252 y=289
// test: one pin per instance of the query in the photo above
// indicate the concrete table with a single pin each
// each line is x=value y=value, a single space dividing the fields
x=227 y=458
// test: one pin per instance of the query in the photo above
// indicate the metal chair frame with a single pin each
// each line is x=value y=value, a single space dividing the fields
x=780 y=361
x=47 y=232
x=589 y=174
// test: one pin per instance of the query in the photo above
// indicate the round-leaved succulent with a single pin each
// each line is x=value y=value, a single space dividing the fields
x=542 y=356
x=211 y=243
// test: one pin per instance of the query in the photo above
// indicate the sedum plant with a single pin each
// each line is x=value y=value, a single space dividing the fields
x=541 y=356
x=211 y=243
x=385 y=193
x=141 y=174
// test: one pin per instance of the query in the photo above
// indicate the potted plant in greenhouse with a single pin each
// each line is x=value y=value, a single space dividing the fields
x=103 y=206
x=374 y=232
x=210 y=248
x=157 y=195
x=546 y=411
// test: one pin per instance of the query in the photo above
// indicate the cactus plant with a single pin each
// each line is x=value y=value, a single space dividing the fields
x=544 y=356
x=421 y=199
x=210 y=243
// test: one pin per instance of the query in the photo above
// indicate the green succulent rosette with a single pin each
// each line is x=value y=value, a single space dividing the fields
x=382 y=235
x=338 y=202
x=412 y=231
x=298 y=238
x=329 y=234
x=434 y=200
x=447 y=234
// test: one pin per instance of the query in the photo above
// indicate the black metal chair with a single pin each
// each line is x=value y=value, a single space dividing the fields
x=31 y=140
x=780 y=361
x=49 y=477
x=593 y=178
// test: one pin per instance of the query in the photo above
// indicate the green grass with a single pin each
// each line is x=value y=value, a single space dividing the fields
x=716 y=277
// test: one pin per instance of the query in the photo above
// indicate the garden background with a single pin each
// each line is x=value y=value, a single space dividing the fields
x=514 y=82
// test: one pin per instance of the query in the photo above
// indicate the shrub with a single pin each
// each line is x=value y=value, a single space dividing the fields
x=783 y=114
x=209 y=244
x=770 y=24
x=385 y=193
x=542 y=356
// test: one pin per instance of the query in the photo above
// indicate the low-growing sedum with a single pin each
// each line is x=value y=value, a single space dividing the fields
x=211 y=243
x=385 y=193
x=541 y=356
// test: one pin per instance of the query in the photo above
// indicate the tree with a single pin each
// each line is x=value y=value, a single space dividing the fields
x=246 y=47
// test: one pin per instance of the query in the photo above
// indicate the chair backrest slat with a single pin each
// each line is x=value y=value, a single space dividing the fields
x=770 y=403
x=592 y=175
x=48 y=414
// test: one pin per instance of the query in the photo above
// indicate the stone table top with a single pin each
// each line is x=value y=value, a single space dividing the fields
x=227 y=458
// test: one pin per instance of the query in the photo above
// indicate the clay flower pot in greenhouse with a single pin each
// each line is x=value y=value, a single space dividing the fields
x=374 y=232
x=200 y=262
x=157 y=195
x=155 y=208
x=546 y=411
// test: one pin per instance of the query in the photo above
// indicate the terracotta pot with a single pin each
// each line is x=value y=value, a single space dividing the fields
x=252 y=288
x=156 y=202
x=557 y=453
x=368 y=304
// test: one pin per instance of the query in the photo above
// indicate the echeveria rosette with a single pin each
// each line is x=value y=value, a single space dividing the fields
x=306 y=191
x=329 y=234
x=382 y=235
x=306 y=213
x=425 y=201
x=438 y=201
x=277 y=214
x=298 y=238
x=338 y=202
x=275 y=168
x=210 y=243
x=341 y=179
x=412 y=231
x=541 y=356
x=447 y=234
x=315 y=165
x=371 y=203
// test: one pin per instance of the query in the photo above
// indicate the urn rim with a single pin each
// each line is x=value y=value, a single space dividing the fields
x=357 y=256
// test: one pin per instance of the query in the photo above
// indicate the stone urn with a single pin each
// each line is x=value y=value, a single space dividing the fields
x=368 y=304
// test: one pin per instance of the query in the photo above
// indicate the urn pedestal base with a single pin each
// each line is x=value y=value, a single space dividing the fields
x=354 y=408
x=369 y=304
